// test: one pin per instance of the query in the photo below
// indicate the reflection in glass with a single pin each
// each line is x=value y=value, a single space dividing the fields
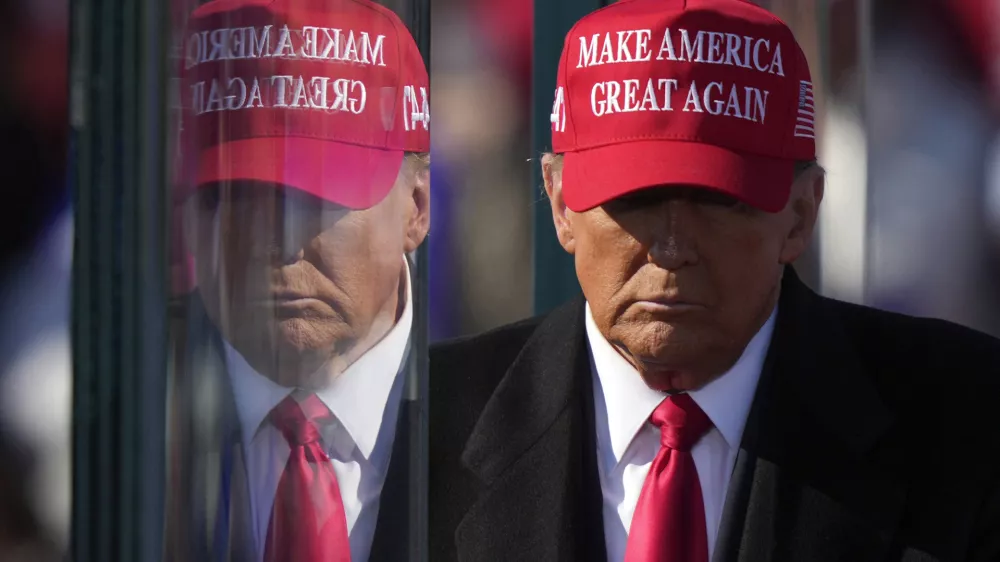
x=302 y=185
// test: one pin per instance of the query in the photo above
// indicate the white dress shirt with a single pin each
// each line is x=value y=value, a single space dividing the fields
x=364 y=401
x=627 y=442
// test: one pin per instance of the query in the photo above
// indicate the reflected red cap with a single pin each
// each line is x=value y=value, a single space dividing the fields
x=324 y=96
x=713 y=93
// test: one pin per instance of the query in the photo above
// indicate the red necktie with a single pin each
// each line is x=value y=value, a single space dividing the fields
x=308 y=522
x=669 y=521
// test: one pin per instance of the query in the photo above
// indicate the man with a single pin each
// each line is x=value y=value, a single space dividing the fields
x=700 y=403
x=305 y=139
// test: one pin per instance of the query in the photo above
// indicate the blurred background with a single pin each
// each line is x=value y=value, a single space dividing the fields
x=908 y=96
x=36 y=237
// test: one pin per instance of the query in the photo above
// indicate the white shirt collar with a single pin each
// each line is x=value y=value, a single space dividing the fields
x=629 y=402
x=357 y=397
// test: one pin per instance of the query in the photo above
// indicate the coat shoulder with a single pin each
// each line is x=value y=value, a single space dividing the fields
x=921 y=365
x=921 y=344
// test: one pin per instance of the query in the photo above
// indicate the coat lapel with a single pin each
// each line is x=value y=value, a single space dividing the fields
x=533 y=450
x=239 y=532
x=392 y=540
x=212 y=457
x=400 y=531
x=234 y=532
x=809 y=483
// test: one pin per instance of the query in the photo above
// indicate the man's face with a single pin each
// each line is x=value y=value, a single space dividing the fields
x=293 y=281
x=679 y=279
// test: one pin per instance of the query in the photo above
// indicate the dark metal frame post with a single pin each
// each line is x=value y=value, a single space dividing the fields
x=417 y=388
x=554 y=274
x=118 y=81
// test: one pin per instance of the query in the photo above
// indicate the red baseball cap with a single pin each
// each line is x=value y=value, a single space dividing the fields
x=711 y=93
x=324 y=96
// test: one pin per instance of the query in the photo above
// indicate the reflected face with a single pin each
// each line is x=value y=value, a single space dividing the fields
x=679 y=279
x=293 y=281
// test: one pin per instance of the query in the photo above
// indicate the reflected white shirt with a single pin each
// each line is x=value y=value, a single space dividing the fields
x=627 y=443
x=364 y=400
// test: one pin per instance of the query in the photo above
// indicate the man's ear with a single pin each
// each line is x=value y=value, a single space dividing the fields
x=419 y=211
x=803 y=211
x=560 y=213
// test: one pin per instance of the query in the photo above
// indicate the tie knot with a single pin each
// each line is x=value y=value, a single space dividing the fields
x=297 y=420
x=681 y=421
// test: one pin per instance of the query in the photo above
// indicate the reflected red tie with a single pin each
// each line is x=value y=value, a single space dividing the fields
x=669 y=520
x=308 y=522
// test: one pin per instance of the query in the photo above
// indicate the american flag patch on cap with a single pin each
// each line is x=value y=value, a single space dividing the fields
x=805 y=124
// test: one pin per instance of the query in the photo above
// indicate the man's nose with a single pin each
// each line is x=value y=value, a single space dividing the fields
x=672 y=238
x=272 y=228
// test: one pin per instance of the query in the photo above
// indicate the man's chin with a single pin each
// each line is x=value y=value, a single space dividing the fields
x=666 y=345
x=308 y=335
x=289 y=351
x=670 y=359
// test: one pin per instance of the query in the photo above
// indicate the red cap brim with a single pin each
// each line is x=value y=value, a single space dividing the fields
x=355 y=177
x=595 y=176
